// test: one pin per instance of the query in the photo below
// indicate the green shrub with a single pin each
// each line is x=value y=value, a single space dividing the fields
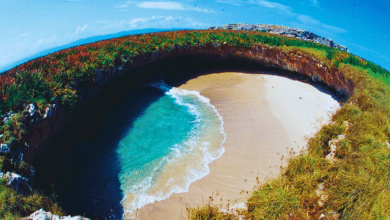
x=15 y=206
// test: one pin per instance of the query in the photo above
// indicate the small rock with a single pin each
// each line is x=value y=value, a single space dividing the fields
x=72 y=218
x=333 y=147
x=4 y=149
x=321 y=194
x=31 y=109
x=8 y=116
x=18 y=183
x=42 y=216
x=48 y=112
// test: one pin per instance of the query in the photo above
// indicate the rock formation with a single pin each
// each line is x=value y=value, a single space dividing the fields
x=17 y=182
x=43 y=128
x=42 y=215
x=282 y=30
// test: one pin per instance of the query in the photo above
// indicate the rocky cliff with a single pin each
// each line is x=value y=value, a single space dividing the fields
x=42 y=127
x=294 y=61
x=285 y=31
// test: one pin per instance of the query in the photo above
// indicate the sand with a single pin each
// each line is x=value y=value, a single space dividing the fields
x=265 y=117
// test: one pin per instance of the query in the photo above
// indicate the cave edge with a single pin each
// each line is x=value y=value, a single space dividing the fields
x=174 y=71
x=62 y=167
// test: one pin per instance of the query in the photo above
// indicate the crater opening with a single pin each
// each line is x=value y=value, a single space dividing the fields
x=81 y=166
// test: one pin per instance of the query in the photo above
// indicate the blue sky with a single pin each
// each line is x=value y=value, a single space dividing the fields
x=28 y=27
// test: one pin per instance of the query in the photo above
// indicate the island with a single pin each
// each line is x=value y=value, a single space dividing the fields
x=343 y=173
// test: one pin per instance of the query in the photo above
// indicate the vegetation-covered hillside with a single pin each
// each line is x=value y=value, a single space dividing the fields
x=353 y=185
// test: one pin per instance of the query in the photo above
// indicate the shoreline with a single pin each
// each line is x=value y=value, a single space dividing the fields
x=188 y=160
x=262 y=124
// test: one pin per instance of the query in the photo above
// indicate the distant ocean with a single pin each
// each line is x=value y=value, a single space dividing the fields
x=150 y=145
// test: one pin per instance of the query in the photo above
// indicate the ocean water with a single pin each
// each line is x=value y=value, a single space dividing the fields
x=169 y=146
x=130 y=149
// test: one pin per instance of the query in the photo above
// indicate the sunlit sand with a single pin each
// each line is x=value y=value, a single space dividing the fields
x=266 y=117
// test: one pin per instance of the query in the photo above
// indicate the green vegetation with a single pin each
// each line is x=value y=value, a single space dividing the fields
x=356 y=184
x=14 y=206
x=55 y=75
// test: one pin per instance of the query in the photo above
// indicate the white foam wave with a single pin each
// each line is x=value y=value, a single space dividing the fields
x=178 y=151
x=174 y=92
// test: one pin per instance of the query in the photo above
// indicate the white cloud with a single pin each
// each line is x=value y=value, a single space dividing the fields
x=307 y=19
x=155 y=22
x=136 y=22
x=161 y=5
x=200 y=9
x=80 y=30
x=315 y=3
x=45 y=41
x=311 y=21
x=24 y=35
x=139 y=20
x=171 y=6
x=276 y=5
x=333 y=28
x=125 y=5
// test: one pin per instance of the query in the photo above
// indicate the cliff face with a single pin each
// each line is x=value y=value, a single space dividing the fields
x=285 y=31
x=43 y=130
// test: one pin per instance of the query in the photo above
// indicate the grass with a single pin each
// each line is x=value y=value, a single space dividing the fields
x=208 y=211
x=14 y=206
x=356 y=184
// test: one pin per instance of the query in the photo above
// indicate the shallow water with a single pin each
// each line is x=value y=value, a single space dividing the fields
x=147 y=147
x=168 y=147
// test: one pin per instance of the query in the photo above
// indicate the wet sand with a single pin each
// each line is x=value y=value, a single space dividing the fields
x=265 y=117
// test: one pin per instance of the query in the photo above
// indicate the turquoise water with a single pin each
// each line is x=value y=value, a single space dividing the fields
x=169 y=146
x=141 y=147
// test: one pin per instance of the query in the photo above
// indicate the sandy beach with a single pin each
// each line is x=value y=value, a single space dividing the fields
x=265 y=117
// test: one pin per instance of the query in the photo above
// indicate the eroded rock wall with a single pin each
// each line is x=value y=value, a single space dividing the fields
x=303 y=64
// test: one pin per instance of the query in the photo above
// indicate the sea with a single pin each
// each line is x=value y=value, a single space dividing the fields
x=139 y=154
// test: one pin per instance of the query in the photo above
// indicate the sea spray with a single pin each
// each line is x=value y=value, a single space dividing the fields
x=160 y=85
x=169 y=147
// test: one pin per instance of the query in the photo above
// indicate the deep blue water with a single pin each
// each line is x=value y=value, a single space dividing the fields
x=142 y=149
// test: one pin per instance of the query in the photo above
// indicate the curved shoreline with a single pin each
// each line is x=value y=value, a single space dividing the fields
x=187 y=160
x=258 y=136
